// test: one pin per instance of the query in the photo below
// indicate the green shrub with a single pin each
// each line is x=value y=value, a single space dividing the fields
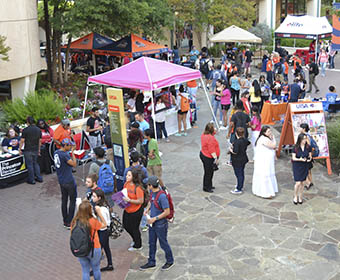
x=43 y=105
x=299 y=43
x=74 y=102
x=333 y=133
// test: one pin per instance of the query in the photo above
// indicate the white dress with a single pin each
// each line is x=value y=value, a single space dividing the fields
x=264 y=180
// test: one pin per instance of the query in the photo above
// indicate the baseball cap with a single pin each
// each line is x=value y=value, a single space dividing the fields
x=152 y=180
x=67 y=141
x=65 y=122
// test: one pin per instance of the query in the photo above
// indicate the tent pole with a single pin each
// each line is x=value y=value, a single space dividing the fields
x=207 y=95
x=153 y=115
x=316 y=49
x=86 y=92
x=94 y=64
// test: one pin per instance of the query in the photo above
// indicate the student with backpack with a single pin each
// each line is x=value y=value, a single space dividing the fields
x=84 y=241
x=98 y=197
x=105 y=170
x=183 y=106
x=133 y=213
x=158 y=225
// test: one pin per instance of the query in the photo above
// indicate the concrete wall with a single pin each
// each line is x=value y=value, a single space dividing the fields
x=19 y=23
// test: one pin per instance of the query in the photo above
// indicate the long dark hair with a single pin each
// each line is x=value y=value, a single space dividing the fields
x=100 y=194
x=45 y=125
x=256 y=112
x=257 y=88
x=301 y=136
x=136 y=177
x=262 y=133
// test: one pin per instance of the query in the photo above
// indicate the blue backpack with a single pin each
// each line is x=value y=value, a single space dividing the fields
x=105 y=177
x=314 y=146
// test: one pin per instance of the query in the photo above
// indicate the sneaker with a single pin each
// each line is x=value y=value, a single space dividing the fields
x=147 y=266
x=317 y=90
x=220 y=122
x=223 y=128
x=107 y=268
x=236 y=191
x=167 y=266
x=145 y=228
x=212 y=121
x=178 y=134
x=132 y=244
x=132 y=249
x=67 y=226
x=167 y=140
x=184 y=134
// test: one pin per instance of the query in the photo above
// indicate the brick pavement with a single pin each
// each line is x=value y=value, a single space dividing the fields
x=35 y=245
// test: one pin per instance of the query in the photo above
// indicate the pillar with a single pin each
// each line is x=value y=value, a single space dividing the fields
x=20 y=87
x=267 y=13
x=313 y=8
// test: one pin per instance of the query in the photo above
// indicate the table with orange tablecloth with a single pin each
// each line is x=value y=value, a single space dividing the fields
x=272 y=113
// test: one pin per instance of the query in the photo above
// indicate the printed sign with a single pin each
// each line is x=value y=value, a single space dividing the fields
x=118 y=133
x=317 y=129
x=12 y=166
x=306 y=107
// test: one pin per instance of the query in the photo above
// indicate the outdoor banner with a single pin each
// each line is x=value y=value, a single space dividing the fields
x=118 y=133
x=312 y=114
x=12 y=167
x=336 y=31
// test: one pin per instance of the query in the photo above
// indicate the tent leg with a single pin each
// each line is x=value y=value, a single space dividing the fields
x=153 y=116
x=86 y=91
x=94 y=64
x=211 y=108
x=316 y=49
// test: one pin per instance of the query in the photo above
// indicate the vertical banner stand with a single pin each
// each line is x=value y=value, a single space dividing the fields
x=312 y=114
x=118 y=133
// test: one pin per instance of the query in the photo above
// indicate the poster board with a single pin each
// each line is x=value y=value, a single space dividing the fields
x=118 y=133
x=312 y=114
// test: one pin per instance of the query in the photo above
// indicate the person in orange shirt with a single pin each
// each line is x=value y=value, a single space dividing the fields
x=269 y=70
x=133 y=214
x=295 y=60
x=85 y=219
x=62 y=131
x=285 y=73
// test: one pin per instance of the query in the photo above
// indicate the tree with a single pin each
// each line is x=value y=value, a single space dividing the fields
x=4 y=49
x=263 y=31
x=224 y=13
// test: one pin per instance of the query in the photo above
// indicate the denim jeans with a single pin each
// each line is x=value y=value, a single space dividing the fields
x=159 y=230
x=217 y=106
x=68 y=191
x=239 y=173
x=160 y=127
x=194 y=113
x=88 y=262
x=143 y=222
x=323 y=68
x=32 y=166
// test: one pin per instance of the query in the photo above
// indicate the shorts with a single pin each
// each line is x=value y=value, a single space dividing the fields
x=155 y=170
x=179 y=112
x=247 y=64
x=225 y=107
x=208 y=75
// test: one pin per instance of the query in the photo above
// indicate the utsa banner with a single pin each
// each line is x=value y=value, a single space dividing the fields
x=118 y=133
x=336 y=33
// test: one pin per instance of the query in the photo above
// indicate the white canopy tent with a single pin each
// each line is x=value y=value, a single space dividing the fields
x=235 y=34
x=305 y=27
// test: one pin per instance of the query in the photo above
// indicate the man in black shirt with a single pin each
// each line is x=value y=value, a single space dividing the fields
x=295 y=91
x=31 y=140
x=248 y=54
x=313 y=72
x=94 y=128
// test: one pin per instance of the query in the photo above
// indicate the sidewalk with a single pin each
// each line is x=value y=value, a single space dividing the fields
x=223 y=236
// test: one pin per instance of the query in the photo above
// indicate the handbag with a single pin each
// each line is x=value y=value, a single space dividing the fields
x=215 y=166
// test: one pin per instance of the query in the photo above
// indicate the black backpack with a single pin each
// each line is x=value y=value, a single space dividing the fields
x=204 y=68
x=316 y=70
x=81 y=243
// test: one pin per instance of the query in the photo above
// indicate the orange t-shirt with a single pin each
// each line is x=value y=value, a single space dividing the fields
x=133 y=193
x=192 y=84
x=269 y=65
x=61 y=133
x=95 y=226
x=286 y=67
x=276 y=59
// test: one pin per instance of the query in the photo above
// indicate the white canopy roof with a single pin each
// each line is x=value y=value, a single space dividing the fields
x=235 y=34
x=305 y=27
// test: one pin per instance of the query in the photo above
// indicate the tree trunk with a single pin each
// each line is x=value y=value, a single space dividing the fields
x=60 y=63
x=54 y=60
x=48 y=41
x=67 y=60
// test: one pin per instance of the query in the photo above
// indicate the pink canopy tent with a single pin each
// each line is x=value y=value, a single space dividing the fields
x=149 y=74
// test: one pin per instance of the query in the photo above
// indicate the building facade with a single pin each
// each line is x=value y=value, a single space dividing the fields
x=273 y=12
x=19 y=24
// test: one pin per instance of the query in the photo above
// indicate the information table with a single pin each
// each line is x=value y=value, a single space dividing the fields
x=12 y=170
x=273 y=112
x=171 y=122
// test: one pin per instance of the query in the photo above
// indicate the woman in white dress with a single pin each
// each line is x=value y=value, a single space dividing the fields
x=264 y=180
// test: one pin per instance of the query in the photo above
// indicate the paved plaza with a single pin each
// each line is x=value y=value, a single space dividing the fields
x=214 y=236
